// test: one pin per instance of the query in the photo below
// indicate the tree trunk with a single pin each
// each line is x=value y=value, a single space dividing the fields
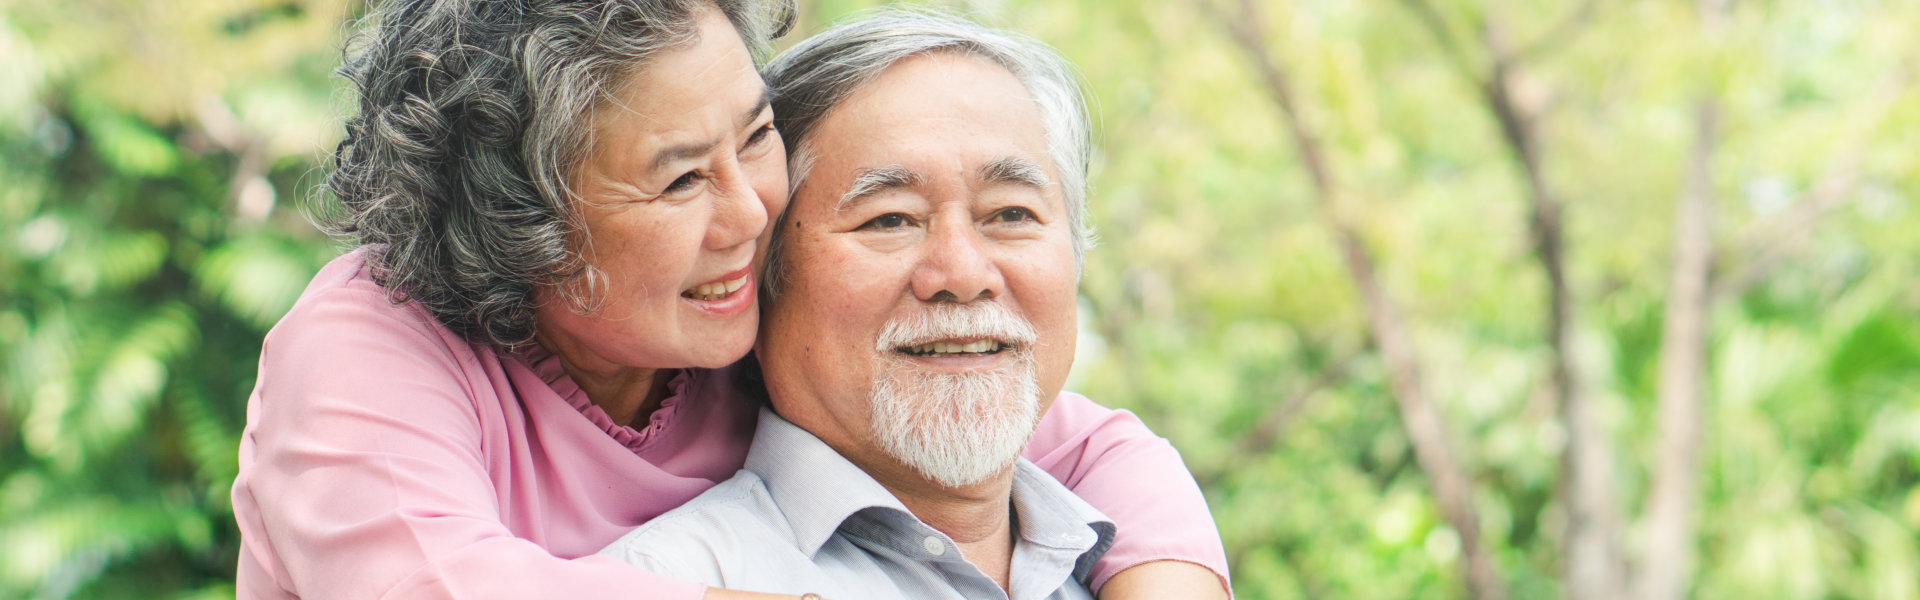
x=1667 y=572
x=1593 y=565
x=1425 y=428
x=1593 y=562
x=1668 y=568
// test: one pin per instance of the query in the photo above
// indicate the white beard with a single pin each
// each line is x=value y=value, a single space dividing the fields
x=957 y=429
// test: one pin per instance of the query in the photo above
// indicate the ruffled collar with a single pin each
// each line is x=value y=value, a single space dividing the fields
x=547 y=366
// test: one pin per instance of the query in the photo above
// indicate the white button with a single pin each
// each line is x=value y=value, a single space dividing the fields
x=934 y=546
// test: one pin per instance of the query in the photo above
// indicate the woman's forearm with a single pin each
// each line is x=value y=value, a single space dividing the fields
x=1110 y=459
x=1165 y=579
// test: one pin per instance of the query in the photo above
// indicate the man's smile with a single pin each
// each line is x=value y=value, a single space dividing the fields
x=958 y=347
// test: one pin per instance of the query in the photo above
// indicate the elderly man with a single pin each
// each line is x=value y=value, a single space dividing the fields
x=921 y=317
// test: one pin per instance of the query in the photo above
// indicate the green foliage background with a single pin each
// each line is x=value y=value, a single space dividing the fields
x=155 y=160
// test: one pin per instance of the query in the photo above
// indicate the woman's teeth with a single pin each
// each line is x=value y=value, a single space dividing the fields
x=715 y=291
x=952 y=349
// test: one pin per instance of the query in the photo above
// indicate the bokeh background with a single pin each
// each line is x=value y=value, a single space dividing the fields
x=1439 y=298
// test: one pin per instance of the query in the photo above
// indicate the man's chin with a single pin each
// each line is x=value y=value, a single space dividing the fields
x=959 y=474
x=954 y=481
x=956 y=430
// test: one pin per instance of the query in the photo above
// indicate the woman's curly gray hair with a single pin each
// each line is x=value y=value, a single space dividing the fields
x=472 y=116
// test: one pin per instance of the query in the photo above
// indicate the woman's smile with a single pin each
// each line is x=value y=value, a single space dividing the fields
x=729 y=295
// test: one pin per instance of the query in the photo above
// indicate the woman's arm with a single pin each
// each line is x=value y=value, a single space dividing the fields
x=1164 y=579
x=1166 y=535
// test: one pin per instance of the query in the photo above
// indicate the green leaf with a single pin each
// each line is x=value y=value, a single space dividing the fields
x=1883 y=345
x=256 y=278
x=131 y=146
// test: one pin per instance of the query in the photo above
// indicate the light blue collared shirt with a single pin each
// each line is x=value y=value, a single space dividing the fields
x=801 y=518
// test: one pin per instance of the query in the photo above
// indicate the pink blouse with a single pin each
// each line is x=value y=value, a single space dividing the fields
x=386 y=457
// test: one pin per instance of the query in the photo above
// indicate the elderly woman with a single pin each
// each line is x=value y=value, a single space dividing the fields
x=558 y=204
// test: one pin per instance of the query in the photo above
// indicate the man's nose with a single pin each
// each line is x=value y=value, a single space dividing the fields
x=739 y=215
x=956 y=265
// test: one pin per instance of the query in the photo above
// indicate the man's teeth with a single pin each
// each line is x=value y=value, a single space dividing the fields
x=715 y=291
x=952 y=348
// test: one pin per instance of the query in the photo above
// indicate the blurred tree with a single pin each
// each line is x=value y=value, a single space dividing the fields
x=146 y=149
x=1432 y=445
x=1421 y=104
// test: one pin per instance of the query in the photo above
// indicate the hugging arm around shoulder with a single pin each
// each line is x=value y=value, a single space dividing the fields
x=372 y=466
x=363 y=474
x=1110 y=459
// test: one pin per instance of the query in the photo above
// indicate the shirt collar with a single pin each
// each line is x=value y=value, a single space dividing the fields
x=1051 y=515
x=817 y=490
x=815 y=487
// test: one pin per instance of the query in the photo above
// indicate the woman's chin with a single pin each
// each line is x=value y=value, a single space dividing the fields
x=724 y=347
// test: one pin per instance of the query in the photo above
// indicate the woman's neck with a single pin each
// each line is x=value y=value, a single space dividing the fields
x=629 y=395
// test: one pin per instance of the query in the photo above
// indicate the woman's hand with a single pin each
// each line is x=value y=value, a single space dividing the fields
x=1164 y=579
x=714 y=593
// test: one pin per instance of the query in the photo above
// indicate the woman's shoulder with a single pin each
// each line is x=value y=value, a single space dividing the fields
x=347 y=348
x=343 y=300
x=347 y=325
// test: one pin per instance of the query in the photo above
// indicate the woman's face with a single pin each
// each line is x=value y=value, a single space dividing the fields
x=685 y=172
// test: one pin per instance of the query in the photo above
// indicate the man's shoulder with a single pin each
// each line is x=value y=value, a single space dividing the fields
x=698 y=541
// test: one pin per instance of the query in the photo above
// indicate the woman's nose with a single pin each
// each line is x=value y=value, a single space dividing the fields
x=740 y=215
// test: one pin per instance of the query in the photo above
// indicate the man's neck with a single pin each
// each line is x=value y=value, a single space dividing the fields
x=978 y=517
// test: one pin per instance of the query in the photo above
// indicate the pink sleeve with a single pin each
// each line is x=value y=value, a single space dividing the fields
x=364 y=475
x=1109 y=458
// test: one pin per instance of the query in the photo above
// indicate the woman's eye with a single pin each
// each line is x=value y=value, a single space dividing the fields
x=1014 y=215
x=760 y=135
x=886 y=221
x=683 y=182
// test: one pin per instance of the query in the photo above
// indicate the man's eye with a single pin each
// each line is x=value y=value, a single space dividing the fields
x=1015 y=215
x=886 y=221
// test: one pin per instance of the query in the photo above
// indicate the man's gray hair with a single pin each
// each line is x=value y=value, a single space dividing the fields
x=813 y=77
x=472 y=117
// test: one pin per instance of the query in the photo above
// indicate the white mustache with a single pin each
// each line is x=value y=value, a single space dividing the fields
x=946 y=321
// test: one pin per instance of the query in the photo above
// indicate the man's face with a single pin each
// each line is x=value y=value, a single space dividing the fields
x=927 y=317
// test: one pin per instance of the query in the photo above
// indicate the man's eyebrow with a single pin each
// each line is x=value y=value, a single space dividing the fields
x=874 y=180
x=685 y=151
x=1015 y=170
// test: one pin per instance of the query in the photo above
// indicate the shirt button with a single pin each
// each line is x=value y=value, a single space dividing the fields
x=934 y=546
